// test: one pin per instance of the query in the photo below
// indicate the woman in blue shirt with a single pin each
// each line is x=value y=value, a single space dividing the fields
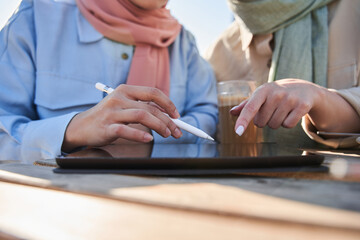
x=50 y=59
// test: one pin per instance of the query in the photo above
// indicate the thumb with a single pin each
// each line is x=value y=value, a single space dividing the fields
x=235 y=111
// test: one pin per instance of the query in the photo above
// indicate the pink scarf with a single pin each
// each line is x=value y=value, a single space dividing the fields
x=151 y=31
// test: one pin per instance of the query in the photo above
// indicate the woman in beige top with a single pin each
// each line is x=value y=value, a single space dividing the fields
x=305 y=55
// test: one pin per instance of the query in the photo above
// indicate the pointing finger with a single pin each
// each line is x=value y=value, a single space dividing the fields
x=250 y=109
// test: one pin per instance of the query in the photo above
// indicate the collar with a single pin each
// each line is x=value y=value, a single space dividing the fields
x=86 y=32
x=260 y=42
x=245 y=35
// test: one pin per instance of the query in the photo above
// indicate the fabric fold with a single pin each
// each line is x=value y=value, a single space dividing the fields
x=301 y=35
x=150 y=31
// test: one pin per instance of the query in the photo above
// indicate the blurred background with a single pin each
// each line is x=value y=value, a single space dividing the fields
x=206 y=19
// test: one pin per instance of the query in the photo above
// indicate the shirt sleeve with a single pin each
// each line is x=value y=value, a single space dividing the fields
x=23 y=136
x=310 y=130
x=352 y=96
x=200 y=108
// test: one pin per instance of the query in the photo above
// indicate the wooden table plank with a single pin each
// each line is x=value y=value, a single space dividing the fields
x=38 y=213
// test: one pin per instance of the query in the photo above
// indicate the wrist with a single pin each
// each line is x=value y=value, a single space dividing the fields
x=319 y=99
x=71 y=137
x=324 y=110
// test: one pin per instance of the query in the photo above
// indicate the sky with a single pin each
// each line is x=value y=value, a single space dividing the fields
x=206 y=19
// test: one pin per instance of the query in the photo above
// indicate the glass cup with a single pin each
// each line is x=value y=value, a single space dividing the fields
x=232 y=93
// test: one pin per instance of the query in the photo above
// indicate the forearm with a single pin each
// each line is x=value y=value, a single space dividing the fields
x=33 y=140
x=332 y=113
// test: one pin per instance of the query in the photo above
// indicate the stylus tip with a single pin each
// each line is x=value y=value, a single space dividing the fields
x=210 y=138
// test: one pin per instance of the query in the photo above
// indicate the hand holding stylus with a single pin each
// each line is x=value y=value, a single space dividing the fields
x=108 y=120
x=179 y=123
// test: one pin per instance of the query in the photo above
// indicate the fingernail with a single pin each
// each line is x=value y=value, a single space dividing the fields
x=176 y=113
x=240 y=130
x=234 y=108
x=168 y=132
x=148 y=137
x=177 y=133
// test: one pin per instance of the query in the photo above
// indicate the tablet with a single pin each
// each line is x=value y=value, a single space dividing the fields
x=145 y=157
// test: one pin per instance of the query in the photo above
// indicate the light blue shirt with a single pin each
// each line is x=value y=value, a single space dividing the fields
x=50 y=60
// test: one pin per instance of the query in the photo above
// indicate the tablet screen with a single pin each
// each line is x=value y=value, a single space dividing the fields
x=188 y=156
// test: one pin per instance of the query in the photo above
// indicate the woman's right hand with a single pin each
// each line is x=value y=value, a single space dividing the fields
x=107 y=121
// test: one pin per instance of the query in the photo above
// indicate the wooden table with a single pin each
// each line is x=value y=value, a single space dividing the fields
x=308 y=203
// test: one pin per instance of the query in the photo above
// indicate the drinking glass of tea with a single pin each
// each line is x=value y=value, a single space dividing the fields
x=231 y=93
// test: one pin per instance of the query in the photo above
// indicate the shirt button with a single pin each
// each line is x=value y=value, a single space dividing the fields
x=124 y=56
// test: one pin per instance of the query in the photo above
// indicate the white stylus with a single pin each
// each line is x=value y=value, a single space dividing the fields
x=179 y=123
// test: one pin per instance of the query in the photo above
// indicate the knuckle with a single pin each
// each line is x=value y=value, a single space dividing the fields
x=122 y=88
x=153 y=110
x=161 y=129
x=289 y=123
x=270 y=126
x=278 y=96
x=291 y=100
x=115 y=102
x=154 y=93
x=170 y=105
x=119 y=129
x=170 y=124
x=107 y=117
x=140 y=114
x=273 y=125
x=251 y=107
x=304 y=107
x=258 y=122
x=110 y=102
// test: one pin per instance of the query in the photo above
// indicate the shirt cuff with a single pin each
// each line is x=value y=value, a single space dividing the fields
x=43 y=138
x=311 y=131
